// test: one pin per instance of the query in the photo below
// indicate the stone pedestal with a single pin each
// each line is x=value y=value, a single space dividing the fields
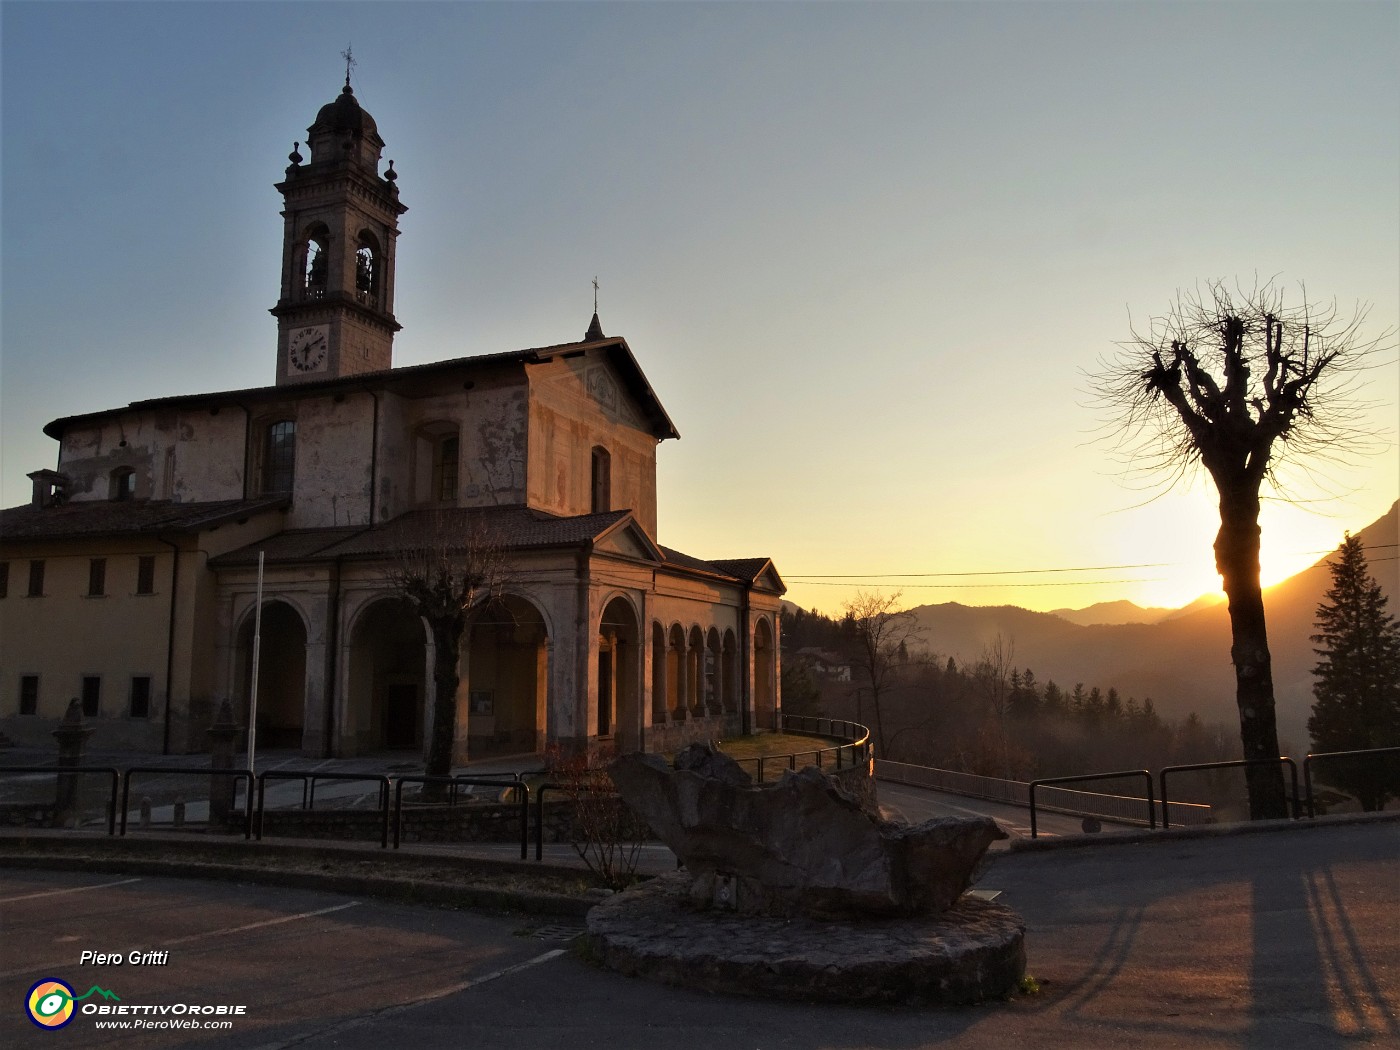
x=223 y=738
x=71 y=734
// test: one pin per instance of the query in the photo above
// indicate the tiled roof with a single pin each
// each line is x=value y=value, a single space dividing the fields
x=84 y=519
x=746 y=569
x=616 y=347
x=514 y=527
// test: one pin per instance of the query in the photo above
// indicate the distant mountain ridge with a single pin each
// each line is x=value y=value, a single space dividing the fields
x=1121 y=611
x=1182 y=659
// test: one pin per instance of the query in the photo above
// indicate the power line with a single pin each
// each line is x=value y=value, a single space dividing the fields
x=812 y=577
x=1003 y=586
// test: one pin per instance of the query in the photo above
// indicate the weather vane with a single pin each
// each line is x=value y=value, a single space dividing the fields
x=595 y=295
x=349 y=57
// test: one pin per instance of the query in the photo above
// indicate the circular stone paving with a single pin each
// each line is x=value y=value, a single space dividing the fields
x=973 y=951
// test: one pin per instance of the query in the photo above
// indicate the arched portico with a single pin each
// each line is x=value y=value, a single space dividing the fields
x=619 y=708
x=507 y=678
x=387 y=683
x=281 y=713
x=764 y=685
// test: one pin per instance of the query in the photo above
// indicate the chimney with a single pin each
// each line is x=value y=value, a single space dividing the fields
x=50 y=488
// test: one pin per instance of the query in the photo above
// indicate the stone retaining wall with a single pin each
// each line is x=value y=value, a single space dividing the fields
x=466 y=822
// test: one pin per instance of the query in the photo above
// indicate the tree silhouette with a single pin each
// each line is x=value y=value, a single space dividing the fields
x=1239 y=383
x=446 y=567
x=1358 y=679
x=878 y=631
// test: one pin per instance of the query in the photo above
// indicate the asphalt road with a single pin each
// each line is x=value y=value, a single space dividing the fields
x=915 y=804
x=1281 y=941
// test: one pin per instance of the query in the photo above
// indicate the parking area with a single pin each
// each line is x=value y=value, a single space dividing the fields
x=1281 y=940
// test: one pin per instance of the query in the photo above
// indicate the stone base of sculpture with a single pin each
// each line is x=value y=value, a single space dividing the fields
x=792 y=890
x=971 y=952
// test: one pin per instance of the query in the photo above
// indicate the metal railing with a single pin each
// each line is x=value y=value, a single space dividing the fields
x=187 y=771
x=308 y=797
x=540 y=791
x=519 y=786
x=854 y=749
x=1118 y=808
x=1121 y=774
x=1312 y=757
x=110 y=771
x=1241 y=763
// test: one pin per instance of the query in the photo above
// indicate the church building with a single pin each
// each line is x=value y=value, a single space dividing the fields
x=129 y=582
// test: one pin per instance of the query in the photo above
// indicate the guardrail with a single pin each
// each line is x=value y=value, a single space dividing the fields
x=111 y=771
x=1119 y=775
x=854 y=749
x=308 y=800
x=521 y=788
x=1242 y=763
x=540 y=790
x=1312 y=757
x=1120 y=808
x=187 y=771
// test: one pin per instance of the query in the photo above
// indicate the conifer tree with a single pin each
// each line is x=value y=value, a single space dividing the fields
x=1357 y=685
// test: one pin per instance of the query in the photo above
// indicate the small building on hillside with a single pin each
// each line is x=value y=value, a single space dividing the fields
x=129 y=580
x=825 y=664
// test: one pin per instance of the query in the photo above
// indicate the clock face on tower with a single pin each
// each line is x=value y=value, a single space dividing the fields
x=307 y=349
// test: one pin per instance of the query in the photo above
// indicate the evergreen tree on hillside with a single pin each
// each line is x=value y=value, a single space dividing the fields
x=1357 y=680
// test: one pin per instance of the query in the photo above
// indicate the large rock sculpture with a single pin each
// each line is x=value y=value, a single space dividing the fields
x=800 y=846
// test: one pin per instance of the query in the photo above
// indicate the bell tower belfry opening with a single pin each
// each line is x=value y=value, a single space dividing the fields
x=335 y=316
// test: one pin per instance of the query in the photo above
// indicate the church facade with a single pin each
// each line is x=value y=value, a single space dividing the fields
x=130 y=580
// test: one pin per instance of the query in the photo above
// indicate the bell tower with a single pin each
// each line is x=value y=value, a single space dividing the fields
x=335 y=316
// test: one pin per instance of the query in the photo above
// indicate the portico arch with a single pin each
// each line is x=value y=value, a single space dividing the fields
x=281 y=713
x=764 y=687
x=387 y=684
x=507 y=676
x=675 y=672
x=619 y=711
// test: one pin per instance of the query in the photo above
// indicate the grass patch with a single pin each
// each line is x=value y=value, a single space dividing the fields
x=762 y=745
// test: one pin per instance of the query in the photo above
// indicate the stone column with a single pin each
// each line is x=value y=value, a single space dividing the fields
x=71 y=734
x=223 y=739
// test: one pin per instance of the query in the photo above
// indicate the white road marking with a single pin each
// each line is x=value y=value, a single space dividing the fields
x=398 y=1008
x=259 y=925
x=73 y=889
x=53 y=965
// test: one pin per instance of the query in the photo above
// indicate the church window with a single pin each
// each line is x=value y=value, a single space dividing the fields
x=97 y=577
x=92 y=695
x=140 y=696
x=437 y=458
x=28 y=694
x=279 y=456
x=146 y=574
x=123 y=484
x=36 y=578
x=4 y=579
x=602 y=480
x=445 y=469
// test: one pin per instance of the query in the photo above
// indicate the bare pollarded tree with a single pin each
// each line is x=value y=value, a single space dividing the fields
x=1240 y=383
x=447 y=566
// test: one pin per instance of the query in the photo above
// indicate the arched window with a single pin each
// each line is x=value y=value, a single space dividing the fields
x=122 y=485
x=367 y=270
x=602 y=480
x=315 y=263
x=279 y=457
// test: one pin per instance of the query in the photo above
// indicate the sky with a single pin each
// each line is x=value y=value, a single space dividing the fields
x=867 y=254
